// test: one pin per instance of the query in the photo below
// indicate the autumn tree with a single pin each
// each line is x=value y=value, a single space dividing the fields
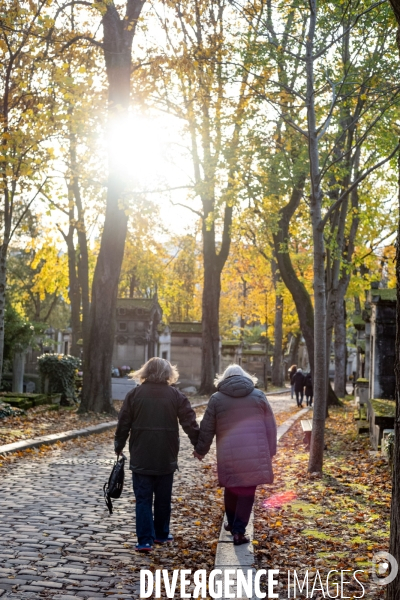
x=158 y=262
x=77 y=196
x=319 y=216
x=145 y=256
x=119 y=25
x=38 y=278
x=332 y=113
x=201 y=76
x=182 y=288
x=252 y=294
x=25 y=102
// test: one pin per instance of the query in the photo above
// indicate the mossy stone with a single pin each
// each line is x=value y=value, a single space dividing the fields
x=384 y=408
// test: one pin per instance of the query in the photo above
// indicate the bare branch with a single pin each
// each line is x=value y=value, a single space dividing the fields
x=27 y=207
x=87 y=38
x=376 y=245
x=52 y=203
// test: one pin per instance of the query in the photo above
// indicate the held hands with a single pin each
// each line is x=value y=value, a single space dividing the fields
x=197 y=455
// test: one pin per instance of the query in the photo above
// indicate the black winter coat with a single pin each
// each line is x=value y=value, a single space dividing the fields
x=150 y=414
x=298 y=381
x=242 y=419
x=308 y=384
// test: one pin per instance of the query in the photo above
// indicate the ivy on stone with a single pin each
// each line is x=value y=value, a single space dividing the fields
x=60 y=371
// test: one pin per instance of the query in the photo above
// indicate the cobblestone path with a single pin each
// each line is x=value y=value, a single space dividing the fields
x=282 y=402
x=57 y=540
x=56 y=537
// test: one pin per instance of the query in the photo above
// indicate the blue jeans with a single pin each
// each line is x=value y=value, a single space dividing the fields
x=299 y=396
x=238 y=504
x=145 y=487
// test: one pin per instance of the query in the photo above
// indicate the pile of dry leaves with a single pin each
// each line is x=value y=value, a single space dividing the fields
x=336 y=522
x=41 y=421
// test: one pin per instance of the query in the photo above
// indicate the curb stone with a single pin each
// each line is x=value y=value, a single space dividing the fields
x=233 y=557
x=283 y=392
x=63 y=436
x=53 y=438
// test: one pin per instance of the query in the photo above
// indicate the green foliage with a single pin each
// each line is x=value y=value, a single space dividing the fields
x=388 y=443
x=61 y=371
x=19 y=333
x=38 y=277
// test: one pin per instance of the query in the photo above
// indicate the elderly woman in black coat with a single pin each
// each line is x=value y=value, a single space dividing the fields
x=242 y=419
x=299 y=382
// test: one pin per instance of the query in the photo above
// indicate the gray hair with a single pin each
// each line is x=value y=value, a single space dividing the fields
x=157 y=370
x=234 y=370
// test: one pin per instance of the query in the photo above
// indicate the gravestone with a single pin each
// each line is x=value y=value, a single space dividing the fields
x=30 y=387
x=18 y=372
x=382 y=380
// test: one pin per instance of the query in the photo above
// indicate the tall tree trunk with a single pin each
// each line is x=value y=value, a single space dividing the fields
x=210 y=312
x=38 y=307
x=340 y=311
x=340 y=279
x=332 y=280
x=83 y=252
x=3 y=284
x=83 y=279
x=340 y=349
x=117 y=45
x=297 y=289
x=277 y=372
x=295 y=350
x=320 y=379
x=73 y=292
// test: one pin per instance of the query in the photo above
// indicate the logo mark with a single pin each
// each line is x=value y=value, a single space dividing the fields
x=380 y=566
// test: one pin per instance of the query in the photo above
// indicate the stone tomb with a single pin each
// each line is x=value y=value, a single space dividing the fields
x=136 y=331
x=382 y=344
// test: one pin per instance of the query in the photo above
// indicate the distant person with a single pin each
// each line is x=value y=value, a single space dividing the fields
x=242 y=420
x=292 y=372
x=149 y=416
x=298 y=382
x=308 y=388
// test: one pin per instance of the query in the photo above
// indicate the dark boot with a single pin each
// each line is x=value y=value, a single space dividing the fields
x=240 y=538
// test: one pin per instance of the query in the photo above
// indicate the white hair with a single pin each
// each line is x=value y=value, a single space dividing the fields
x=234 y=370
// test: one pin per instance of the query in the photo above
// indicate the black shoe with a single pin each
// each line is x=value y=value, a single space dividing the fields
x=240 y=538
x=227 y=527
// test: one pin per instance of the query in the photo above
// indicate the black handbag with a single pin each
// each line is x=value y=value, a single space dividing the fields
x=113 y=489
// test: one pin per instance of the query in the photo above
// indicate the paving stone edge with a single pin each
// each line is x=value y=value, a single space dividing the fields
x=53 y=438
